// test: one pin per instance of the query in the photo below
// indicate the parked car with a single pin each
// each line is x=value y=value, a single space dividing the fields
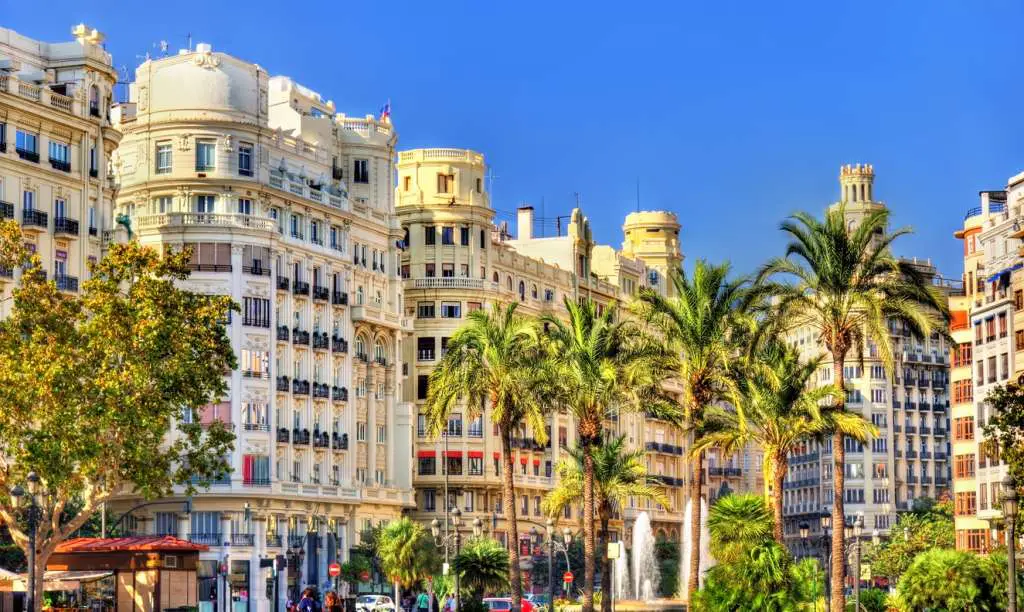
x=374 y=603
x=501 y=604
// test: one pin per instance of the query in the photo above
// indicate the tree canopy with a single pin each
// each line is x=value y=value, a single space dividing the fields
x=927 y=526
x=101 y=390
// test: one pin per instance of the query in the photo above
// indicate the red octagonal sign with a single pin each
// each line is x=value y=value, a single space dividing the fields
x=567 y=577
x=333 y=570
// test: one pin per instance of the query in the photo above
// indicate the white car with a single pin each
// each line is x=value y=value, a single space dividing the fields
x=372 y=603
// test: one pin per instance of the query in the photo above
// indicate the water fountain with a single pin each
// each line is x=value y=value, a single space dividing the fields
x=706 y=561
x=621 y=586
x=645 y=566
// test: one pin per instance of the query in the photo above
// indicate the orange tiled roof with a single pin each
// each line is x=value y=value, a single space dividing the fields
x=131 y=544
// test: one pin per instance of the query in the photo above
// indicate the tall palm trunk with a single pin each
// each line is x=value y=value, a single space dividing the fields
x=779 y=466
x=696 y=480
x=838 y=568
x=589 y=545
x=606 y=563
x=509 y=494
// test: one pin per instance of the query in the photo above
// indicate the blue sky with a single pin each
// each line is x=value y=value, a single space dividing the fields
x=730 y=114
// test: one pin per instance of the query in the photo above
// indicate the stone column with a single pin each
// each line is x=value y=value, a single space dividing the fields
x=224 y=588
x=282 y=575
x=321 y=556
x=259 y=602
x=235 y=332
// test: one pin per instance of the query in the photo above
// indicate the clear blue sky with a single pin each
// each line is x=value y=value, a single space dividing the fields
x=732 y=116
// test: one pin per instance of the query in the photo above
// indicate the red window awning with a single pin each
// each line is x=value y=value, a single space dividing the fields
x=426 y=454
x=477 y=454
x=452 y=453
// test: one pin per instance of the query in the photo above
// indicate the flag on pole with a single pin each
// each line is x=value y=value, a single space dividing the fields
x=385 y=112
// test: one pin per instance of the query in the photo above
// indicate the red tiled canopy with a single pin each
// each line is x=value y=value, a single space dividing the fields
x=130 y=544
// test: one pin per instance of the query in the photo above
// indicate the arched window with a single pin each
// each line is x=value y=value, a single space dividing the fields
x=495 y=277
x=379 y=353
x=533 y=291
x=522 y=291
x=509 y=283
x=854 y=190
x=360 y=346
x=94 y=101
x=359 y=296
x=862 y=193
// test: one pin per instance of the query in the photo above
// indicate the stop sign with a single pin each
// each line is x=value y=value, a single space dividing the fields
x=567 y=577
x=333 y=570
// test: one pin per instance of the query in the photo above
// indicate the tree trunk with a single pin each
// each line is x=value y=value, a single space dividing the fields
x=606 y=563
x=838 y=568
x=589 y=545
x=509 y=492
x=693 y=583
x=779 y=466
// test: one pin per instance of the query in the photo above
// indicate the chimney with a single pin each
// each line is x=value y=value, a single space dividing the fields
x=524 y=223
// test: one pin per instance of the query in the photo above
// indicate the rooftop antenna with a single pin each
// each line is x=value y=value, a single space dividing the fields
x=542 y=217
x=189 y=38
x=490 y=184
x=163 y=48
x=577 y=194
x=638 y=194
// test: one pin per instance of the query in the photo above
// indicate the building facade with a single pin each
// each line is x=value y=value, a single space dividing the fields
x=909 y=459
x=288 y=208
x=988 y=324
x=456 y=261
x=56 y=140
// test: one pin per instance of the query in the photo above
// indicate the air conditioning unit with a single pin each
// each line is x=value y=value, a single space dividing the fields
x=170 y=562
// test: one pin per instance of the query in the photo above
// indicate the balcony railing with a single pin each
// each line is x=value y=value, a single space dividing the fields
x=339 y=345
x=60 y=164
x=257 y=322
x=339 y=442
x=255 y=374
x=300 y=436
x=339 y=394
x=65 y=225
x=209 y=539
x=66 y=283
x=321 y=440
x=27 y=155
x=284 y=435
x=241 y=539
x=283 y=383
x=34 y=218
x=300 y=288
x=321 y=293
x=300 y=387
x=6 y=210
x=256 y=482
x=321 y=390
x=339 y=298
x=282 y=283
x=256 y=270
x=282 y=333
x=321 y=341
x=300 y=337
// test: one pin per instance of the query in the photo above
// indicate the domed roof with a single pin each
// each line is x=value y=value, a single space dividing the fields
x=202 y=81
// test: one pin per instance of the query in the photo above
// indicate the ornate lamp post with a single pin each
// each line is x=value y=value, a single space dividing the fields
x=805 y=532
x=1010 y=515
x=29 y=504
x=858 y=528
x=826 y=553
x=453 y=540
x=553 y=546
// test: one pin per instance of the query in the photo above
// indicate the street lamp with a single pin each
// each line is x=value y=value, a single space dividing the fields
x=553 y=546
x=1010 y=514
x=33 y=514
x=805 y=531
x=453 y=539
x=858 y=528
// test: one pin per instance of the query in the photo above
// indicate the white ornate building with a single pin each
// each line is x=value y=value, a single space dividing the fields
x=288 y=207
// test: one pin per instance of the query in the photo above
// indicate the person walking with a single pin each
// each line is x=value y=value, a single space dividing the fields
x=422 y=602
x=308 y=603
x=332 y=603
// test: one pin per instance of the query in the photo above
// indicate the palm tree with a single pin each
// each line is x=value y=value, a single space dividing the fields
x=846 y=285
x=778 y=411
x=495 y=362
x=737 y=523
x=482 y=566
x=602 y=366
x=700 y=323
x=405 y=553
x=619 y=474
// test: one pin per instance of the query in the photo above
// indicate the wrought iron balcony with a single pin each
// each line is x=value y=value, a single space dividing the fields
x=300 y=337
x=283 y=283
x=66 y=283
x=60 y=164
x=339 y=345
x=258 y=322
x=300 y=436
x=339 y=394
x=284 y=435
x=6 y=210
x=300 y=288
x=321 y=440
x=339 y=298
x=321 y=390
x=300 y=387
x=339 y=442
x=34 y=218
x=321 y=293
x=256 y=270
x=321 y=341
x=282 y=333
x=283 y=383
x=27 y=155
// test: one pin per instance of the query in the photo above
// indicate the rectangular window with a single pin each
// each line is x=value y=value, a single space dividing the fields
x=483 y=239
x=361 y=171
x=429 y=235
x=425 y=310
x=447 y=270
x=206 y=203
x=244 y=206
x=464 y=236
x=422 y=384
x=60 y=153
x=427 y=466
x=451 y=310
x=445 y=183
x=429 y=500
x=206 y=151
x=245 y=159
x=256 y=311
x=447 y=235
x=163 y=157
x=428 y=270
x=27 y=142
x=360 y=432
x=455 y=424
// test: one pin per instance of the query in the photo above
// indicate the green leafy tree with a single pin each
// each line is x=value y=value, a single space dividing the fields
x=1006 y=428
x=482 y=565
x=619 y=474
x=406 y=553
x=92 y=383
x=701 y=323
x=927 y=526
x=495 y=360
x=778 y=411
x=873 y=600
x=603 y=366
x=842 y=281
x=954 y=580
x=667 y=553
x=736 y=523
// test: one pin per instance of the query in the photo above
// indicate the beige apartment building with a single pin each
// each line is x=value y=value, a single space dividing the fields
x=288 y=207
x=988 y=326
x=456 y=260
x=909 y=459
x=56 y=139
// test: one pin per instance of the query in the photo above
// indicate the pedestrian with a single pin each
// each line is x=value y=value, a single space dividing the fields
x=308 y=602
x=422 y=601
x=331 y=602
